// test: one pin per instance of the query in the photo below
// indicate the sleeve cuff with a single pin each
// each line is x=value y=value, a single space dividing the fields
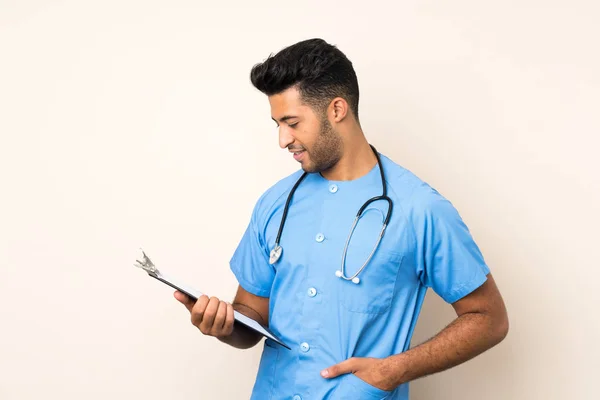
x=247 y=285
x=466 y=289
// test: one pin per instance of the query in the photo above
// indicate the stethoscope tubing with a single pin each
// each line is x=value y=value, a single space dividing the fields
x=276 y=251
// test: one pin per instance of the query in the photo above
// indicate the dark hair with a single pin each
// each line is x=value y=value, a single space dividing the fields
x=319 y=70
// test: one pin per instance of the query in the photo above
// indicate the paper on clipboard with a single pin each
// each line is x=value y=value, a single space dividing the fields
x=147 y=265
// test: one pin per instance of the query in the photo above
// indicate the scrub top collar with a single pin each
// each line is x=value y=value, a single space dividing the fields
x=370 y=178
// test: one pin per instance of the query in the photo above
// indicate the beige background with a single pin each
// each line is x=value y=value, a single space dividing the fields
x=133 y=123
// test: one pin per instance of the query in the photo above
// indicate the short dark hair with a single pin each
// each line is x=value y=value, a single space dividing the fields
x=318 y=69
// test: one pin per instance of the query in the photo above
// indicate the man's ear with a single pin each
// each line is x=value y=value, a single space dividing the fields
x=339 y=109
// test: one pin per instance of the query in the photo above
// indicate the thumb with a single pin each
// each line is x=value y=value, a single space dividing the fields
x=184 y=299
x=344 y=367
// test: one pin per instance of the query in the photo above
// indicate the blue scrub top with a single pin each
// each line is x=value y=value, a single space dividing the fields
x=325 y=319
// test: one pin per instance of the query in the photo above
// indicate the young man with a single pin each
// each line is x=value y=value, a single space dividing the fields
x=349 y=332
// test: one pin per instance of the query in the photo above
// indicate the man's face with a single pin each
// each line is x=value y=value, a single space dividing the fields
x=309 y=136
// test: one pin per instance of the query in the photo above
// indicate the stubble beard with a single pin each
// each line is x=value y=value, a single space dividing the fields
x=326 y=151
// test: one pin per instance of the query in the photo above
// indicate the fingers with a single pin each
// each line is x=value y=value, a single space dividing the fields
x=220 y=317
x=344 y=367
x=198 y=310
x=229 y=320
x=212 y=316
x=209 y=316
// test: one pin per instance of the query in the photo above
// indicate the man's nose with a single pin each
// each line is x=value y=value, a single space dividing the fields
x=285 y=139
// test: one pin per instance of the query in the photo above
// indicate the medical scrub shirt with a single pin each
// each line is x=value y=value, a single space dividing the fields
x=326 y=319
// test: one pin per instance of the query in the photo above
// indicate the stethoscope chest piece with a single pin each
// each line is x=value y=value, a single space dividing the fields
x=275 y=254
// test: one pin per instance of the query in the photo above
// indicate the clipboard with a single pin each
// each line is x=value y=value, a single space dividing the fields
x=147 y=265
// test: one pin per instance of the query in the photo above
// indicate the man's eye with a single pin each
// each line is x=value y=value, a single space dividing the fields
x=293 y=125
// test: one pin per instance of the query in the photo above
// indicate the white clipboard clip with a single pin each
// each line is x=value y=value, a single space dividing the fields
x=147 y=265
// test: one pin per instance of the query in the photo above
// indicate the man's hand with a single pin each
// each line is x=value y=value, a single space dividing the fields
x=213 y=317
x=374 y=371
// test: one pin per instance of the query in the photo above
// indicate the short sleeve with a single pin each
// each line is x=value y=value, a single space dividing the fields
x=448 y=259
x=250 y=261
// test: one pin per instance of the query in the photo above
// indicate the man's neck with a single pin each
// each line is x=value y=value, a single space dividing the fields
x=358 y=159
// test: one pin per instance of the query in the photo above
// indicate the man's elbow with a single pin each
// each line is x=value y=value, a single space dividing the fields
x=500 y=328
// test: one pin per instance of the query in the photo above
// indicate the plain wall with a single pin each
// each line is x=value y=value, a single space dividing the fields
x=134 y=123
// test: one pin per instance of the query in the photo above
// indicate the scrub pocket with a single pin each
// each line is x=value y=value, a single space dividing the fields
x=375 y=291
x=265 y=380
x=352 y=387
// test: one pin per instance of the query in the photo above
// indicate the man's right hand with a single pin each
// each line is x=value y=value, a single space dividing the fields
x=213 y=317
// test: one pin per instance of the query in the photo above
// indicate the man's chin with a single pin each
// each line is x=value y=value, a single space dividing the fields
x=308 y=167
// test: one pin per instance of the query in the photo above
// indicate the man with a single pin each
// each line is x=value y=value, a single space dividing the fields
x=349 y=337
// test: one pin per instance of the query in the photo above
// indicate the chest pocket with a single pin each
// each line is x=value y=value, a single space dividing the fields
x=377 y=280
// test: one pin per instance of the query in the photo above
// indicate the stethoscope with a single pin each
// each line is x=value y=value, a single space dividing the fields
x=341 y=273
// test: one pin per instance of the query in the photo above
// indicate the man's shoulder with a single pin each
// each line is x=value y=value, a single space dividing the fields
x=276 y=193
x=414 y=194
x=281 y=187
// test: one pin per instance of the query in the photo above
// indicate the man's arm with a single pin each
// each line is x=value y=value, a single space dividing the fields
x=482 y=323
